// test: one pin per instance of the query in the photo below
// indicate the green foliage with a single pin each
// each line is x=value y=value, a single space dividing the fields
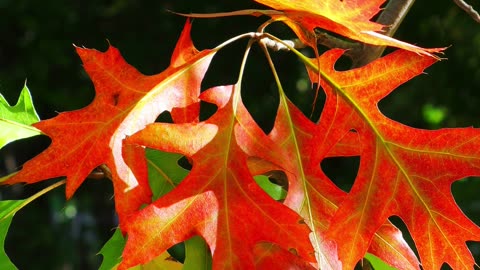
x=197 y=255
x=112 y=251
x=9 y=208
x=16 y=121
x=377 y=264
x=275 y=191
x=164 y=171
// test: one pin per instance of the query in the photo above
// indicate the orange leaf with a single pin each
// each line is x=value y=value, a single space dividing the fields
x=270 y=256
x=310 y=192
x=404 y=172
x=218 y=200
x=347 y=18
x=125 y=102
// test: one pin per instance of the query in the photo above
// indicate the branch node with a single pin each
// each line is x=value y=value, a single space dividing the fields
x=284 y=45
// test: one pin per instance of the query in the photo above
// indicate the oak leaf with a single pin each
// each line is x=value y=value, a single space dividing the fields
x=350 y=19
x=404 y=171
x=310 y=193
x=125 y=102
x=218 y=200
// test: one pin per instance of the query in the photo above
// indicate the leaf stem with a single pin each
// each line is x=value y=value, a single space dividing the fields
x=235 y=38
x=392 y=16
x=33 y=197
x=315 y=239
x=300 y=55
x=469 y=9
x=237 y=92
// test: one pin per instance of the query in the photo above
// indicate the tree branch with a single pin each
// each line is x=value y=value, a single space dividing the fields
x=328 y=40
x=362 y=54
x=392 y=16
x=469 y=9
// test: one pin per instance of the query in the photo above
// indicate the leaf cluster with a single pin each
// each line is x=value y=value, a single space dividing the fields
x=251 y=199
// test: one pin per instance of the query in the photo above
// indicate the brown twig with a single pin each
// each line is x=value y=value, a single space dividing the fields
x=100 y=172
x=392 y=16
x=328 y=40
x=362 y=54
x=469 y=9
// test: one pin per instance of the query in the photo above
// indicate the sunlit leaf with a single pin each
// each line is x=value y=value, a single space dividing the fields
x=351 y=19
x=125 y=102
x=16 y=121
x=218 y=200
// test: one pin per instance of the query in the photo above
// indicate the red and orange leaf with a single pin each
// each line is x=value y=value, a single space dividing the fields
x=347 y=18
x=404 y=172
x=310 y=193
x=270 y=256
x=127 y=202
x=125 y=102
x=219 y=200
x=188 y=109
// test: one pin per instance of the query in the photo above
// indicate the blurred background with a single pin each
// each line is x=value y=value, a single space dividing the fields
x=36 y=45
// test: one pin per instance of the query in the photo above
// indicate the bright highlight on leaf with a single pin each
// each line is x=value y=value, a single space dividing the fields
x=347 y=18
x=125 y=102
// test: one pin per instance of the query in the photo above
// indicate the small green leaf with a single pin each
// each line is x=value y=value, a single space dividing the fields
x=7 y=211
x=6 y=215
x=112 y=251
x=5 y=262
x=15 y=121
x=164 y=173
x=9 y=208
x=377 y=263
x=275 y=191
x=197 y=254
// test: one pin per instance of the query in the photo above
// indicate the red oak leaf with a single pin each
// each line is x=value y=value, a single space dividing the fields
x=404 y=172
x=125 y=102
x=218 y=200
x=347 y=18
x=310 y=192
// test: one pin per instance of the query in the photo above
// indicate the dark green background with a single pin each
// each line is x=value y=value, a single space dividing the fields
x=36 y=44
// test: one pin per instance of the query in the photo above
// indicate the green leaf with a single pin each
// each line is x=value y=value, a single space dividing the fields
x=7 y=211
x=5 y=262
x=275 y=191
x=377 y=263
x=9 y=208
x=197 y=254
x=164 y=173
x=15 y=121
x=112 y=251
x=6 y=215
